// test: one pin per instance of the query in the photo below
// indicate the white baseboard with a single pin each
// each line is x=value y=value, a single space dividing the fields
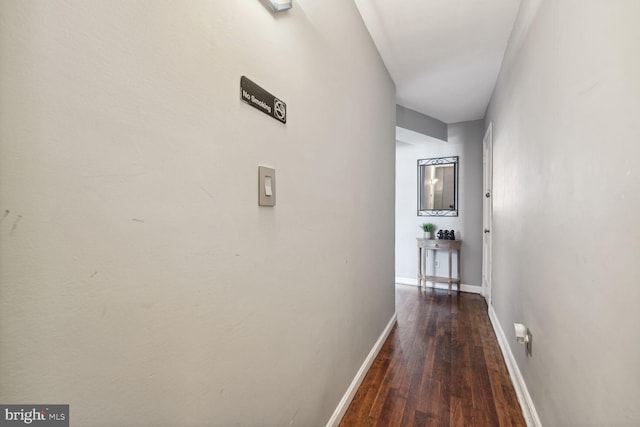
x=528 y=409
x=472 y=289
x=342 y=407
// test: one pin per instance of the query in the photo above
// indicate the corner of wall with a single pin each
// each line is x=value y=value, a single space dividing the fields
x=344 y=403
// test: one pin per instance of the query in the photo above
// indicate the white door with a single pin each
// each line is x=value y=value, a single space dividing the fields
x=487 y=211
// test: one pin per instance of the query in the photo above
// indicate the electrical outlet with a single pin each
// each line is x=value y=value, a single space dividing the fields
x=437 y=263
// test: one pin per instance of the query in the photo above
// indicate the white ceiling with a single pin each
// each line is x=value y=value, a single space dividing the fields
x=443 y=55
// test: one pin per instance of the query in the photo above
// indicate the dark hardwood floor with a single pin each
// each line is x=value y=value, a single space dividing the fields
x=440 y=366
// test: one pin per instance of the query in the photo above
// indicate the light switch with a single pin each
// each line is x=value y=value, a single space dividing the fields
x=266 y=186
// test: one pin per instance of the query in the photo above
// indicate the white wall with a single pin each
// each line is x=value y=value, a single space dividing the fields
x=566 y=201
x=465 y=141
x=141 y=283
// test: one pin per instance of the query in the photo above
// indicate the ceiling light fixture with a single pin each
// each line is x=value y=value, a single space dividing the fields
x=280 y=5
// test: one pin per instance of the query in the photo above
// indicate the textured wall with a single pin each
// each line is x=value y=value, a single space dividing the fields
x=566 y=233
x=141 y=283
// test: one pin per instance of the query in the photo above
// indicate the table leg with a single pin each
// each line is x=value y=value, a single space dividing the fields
x=450 y=252
x=459 y=278
x=426 y=263
x=419 y=267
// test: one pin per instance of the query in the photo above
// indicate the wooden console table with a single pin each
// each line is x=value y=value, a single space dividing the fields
x=424 y=246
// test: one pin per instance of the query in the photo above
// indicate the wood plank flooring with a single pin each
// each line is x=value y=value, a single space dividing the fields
x=440 y=366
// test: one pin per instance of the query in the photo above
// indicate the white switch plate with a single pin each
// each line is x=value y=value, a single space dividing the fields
x=266 y=186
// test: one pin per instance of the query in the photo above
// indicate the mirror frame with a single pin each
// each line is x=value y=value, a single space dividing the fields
x=438 y=161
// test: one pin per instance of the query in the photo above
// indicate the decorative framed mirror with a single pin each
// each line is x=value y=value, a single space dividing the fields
x=438 y=186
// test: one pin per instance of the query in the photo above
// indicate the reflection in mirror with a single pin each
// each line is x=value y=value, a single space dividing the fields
x=438 y=186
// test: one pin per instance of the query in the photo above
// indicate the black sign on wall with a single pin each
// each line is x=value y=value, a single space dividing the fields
x=259 y=98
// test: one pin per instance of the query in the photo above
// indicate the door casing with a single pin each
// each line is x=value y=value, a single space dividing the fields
x=487 y=212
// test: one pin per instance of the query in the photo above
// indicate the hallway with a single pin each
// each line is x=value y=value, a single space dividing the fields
x=441 y=365
x=134 y=234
